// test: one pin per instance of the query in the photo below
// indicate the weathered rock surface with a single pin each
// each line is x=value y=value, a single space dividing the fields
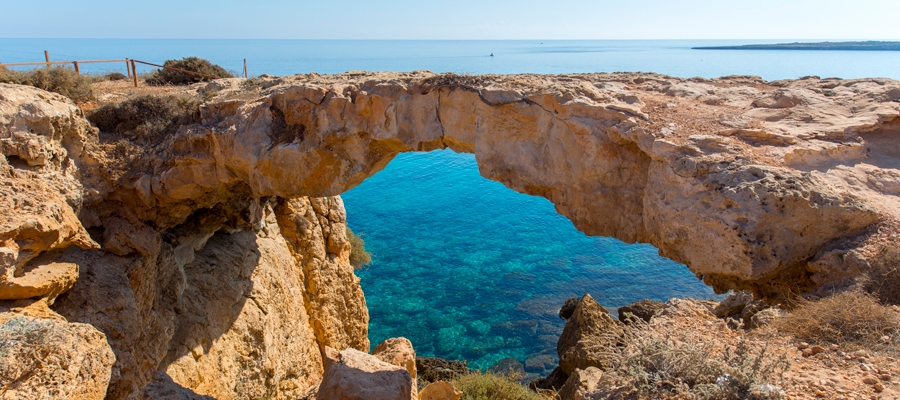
x=587 y=334
x=440 y=390
x=354 y=375
x=399 y=352
x=644 y=310
x=732 y=304
x=44 y=357
x=580 y=384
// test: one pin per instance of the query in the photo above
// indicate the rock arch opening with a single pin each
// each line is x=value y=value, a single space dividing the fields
x=468 y=269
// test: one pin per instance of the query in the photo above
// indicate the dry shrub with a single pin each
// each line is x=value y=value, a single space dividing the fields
x=30 y=347
x=359 y=257
x=883 y=279
x=147 y=119
x=58 y=79
x=850 y=318
x=655 y=362
x=193 y=64
x=451 y=79
x=491 y=386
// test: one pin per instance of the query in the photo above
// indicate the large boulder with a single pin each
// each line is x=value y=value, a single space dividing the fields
x=587 y=334
x=50 y=358
x=733 y=304
x=399 y=352
x=582 y=382
x=354 y=375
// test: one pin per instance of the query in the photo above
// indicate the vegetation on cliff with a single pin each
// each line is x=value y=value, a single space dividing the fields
x=58 y=79
x=359 y=257
x=147 y=118
x=490 y=386
x=193 y=64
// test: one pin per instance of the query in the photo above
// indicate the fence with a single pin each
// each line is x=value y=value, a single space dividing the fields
x=129 y=66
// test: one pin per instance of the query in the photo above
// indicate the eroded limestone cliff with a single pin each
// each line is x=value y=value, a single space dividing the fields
x=214 y=259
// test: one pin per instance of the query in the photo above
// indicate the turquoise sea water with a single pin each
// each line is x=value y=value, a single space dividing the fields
x=468 y=269
x=464 y=267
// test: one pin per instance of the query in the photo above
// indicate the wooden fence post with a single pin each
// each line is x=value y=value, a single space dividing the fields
x=77 y=70
x=127 y=68
x=134 y=73
x=246 y=75
x=47 y=57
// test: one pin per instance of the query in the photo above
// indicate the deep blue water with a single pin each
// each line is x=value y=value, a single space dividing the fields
x=468 y=269
x=286 y=57
x=464 y=267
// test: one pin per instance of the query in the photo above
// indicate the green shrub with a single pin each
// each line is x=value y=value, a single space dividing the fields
x=490 y=386
x=147 y=118
x=193 y=64
x=359 y=257
x=58 y=79
x=883 y=279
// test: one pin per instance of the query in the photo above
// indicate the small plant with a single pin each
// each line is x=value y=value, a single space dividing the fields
x=829 y=93
x=851 y=318
x=883 y=279
x=656 y=363
x=491 y=386
x=193 y=64
x=58 y=79
x=147 y=118
x=359 y=257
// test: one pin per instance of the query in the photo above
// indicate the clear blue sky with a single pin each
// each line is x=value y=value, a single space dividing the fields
x=461 y=19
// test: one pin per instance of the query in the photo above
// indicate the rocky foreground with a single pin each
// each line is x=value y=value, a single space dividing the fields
x=214 y=259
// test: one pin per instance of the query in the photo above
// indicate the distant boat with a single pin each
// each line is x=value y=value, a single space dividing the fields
x=492 y=54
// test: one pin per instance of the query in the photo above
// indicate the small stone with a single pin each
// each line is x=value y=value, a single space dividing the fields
x=807 y=352
x=884 y=377
x=869 y=380
x=803 y=345
x=878 y=387
x=834 y=347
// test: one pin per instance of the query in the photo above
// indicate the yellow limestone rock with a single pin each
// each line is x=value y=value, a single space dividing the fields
x=440 y=390
x=354 y=375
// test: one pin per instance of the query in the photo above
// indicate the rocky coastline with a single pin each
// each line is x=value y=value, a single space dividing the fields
x=212 y=258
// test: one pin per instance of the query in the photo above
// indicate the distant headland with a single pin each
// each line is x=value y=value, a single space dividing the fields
x=867 y=45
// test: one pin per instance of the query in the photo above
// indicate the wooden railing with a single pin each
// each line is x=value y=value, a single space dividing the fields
x=129 y=66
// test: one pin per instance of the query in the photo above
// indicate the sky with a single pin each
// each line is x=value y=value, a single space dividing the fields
x=459 y=19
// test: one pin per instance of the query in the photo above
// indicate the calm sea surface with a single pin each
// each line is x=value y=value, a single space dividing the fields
x=464 y=267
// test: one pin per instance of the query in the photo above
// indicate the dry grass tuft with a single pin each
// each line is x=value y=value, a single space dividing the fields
x=359 y=257
x=147 y=119
x=658 y=363
x=58 y=79
x=491 y=386
x=451 y=79
x=883 y=279
x=850 y=318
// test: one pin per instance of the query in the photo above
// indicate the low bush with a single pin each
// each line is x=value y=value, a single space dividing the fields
x=193 y=64
x=58 y=79
x=115 y=76
x=491 y=386
x=359 y=257
x=851 y=318
x=147 y=118
x=653 y=363
x=883 y=279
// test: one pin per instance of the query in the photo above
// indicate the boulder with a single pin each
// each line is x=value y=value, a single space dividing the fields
x=433 y=369
x=50 y=358
x=568 y=308
x=765 y=317
x=644 y=309
x=354 y=375
x=752 y=309
x=587 y=334
x=582 y=382
x=734 y=303
x=399 y=352
x=440 y=390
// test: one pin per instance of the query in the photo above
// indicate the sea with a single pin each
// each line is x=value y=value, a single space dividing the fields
x=464 y=267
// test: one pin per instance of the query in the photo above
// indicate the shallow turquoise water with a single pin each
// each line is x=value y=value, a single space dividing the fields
x=469 y=269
